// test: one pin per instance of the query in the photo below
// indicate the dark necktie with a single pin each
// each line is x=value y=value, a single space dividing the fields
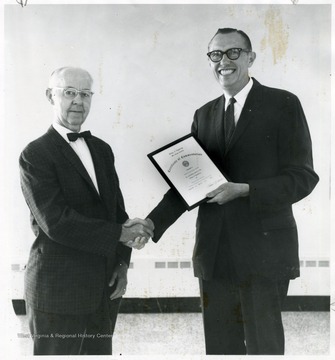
x=74 y=136
x=229 y=122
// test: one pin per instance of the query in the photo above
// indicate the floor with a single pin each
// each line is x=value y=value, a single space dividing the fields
x=307 y=333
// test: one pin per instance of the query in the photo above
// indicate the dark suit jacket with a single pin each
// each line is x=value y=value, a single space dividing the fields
x=271 y=151
x=77 y=230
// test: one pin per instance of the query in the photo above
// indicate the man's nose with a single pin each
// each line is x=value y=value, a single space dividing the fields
x=225 y=58
x=78 y=99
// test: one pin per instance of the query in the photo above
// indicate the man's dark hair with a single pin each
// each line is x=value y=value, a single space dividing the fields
x=231 y=30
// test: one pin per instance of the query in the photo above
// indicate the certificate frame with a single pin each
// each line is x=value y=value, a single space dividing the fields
x=173 y=156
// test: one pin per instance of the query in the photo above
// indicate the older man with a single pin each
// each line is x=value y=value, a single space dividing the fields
x=246 y=247
x=77 y=268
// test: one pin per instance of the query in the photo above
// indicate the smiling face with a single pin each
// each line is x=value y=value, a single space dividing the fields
x=232 y=75
x=70 y=113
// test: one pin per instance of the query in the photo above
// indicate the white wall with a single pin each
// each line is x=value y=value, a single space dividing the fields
x=151 y=73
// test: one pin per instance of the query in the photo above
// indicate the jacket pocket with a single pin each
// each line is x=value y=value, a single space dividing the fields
x=278 y=222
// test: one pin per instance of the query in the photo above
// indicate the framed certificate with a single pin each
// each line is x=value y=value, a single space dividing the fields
x=188 y=169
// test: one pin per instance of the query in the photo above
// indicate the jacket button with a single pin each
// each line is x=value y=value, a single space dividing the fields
x=265 y=233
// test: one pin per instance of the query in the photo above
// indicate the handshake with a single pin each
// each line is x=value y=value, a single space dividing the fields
x=137 y=232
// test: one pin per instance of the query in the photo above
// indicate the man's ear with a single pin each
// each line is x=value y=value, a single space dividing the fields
x=210 y=63
x=251 y=58
x=48 y=94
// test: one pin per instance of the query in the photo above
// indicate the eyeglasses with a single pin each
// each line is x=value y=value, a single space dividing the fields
x=232 y=54
x=71 y=93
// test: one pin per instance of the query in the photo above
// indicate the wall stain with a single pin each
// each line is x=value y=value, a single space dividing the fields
x=101 y=88
x=277 y=37
x=155 y=39
x=118 y=114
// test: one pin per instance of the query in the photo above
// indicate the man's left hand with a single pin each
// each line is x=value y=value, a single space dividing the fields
x=228 y=192
x=119 y=278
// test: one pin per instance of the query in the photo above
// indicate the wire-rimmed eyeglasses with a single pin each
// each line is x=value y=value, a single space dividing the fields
x=232 y=54
x=71 y=93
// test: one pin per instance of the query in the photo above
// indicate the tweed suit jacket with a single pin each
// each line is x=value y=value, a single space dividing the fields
x=271 y=151
x=77 y=229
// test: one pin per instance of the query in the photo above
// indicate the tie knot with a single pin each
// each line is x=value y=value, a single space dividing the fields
x=74 y=136
x=232 y=100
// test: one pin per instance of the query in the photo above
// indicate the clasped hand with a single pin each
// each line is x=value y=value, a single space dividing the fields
x=137 y=232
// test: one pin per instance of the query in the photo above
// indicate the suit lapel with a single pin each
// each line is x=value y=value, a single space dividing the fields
x=218 y=112
x=71 y=156
x=100 y=172
x=249 y=112
x=105 y=182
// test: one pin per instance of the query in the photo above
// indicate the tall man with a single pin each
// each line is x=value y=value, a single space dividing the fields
x=77 y=268
x=246 y=248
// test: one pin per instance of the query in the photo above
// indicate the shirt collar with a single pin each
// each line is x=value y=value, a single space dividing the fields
x=241 y=96
x=63 y=131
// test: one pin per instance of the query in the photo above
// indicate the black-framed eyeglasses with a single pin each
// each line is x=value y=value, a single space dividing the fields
x=71 y=93
x=232 y=54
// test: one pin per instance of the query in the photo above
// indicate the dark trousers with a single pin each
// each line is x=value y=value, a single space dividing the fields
x=243 y=317
x=87 y=334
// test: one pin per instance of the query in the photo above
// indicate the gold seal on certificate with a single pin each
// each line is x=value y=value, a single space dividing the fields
x=188 y=169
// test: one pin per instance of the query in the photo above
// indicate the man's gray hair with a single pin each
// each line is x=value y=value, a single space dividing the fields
x=56 y=73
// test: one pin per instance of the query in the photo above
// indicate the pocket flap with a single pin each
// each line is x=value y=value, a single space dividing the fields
x=278 y=222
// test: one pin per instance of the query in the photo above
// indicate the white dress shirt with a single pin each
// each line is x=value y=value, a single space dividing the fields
x=240 y=98
x=81 y=149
